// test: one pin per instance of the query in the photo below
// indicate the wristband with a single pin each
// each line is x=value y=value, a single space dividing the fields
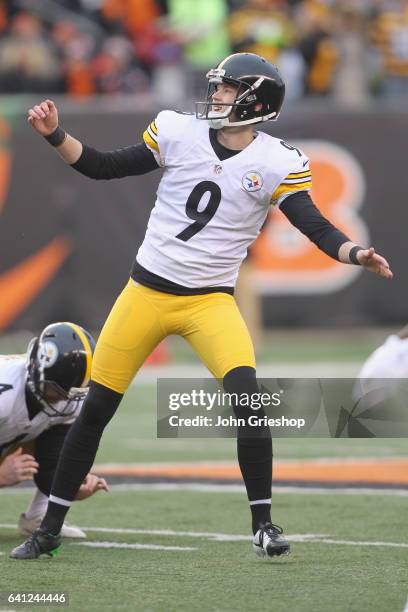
x=57 y=137
x=353 y=255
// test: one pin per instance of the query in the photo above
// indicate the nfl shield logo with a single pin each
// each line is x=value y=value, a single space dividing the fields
x=217 y=169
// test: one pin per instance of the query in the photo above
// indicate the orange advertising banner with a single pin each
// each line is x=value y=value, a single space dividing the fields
x=67 y=243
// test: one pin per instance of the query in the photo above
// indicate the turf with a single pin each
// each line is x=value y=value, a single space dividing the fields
x=221 y=576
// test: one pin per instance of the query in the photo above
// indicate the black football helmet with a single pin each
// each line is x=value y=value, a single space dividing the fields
x=59 y=367
x=258 y=82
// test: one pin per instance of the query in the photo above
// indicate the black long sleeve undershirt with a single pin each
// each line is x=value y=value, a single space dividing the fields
x=129 y=161
x=138 y=159
x=303 y=214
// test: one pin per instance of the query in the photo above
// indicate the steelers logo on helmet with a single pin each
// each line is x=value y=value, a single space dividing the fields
x=252 y=181
x=47 y=354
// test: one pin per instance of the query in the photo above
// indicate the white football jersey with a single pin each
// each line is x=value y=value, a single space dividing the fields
x=390 y=360
x=15 y=423
x=208 y=212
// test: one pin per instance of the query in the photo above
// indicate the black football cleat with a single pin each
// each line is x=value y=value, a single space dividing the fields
x=40 y=543
x=268 y=541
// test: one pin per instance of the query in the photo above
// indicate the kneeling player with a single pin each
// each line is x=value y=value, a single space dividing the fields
x=41 y=395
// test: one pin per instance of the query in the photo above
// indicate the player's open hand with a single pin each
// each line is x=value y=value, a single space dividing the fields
x=17 y=467
x=44 y=117
x=374 y=262
x=91 y=485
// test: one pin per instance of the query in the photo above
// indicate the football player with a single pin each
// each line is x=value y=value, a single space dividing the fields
x=390 y=360
x=220 y=178
x=385 y=367
x=41 y=394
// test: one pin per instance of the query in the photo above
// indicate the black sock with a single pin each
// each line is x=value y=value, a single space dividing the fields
x=255 y=462
x=261 y=514
x=254 y=447
x=78 y=452
x=55 y=518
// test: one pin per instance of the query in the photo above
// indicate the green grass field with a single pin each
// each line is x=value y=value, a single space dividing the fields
x=349 y=551
x=221 y=575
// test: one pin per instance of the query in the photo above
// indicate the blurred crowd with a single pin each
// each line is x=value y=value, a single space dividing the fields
x=348 y=49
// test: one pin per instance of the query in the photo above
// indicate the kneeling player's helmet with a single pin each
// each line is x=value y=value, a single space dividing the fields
x=261 y=90
x=59 y=365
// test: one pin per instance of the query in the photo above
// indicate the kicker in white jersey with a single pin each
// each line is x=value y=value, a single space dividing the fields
x=208 y=212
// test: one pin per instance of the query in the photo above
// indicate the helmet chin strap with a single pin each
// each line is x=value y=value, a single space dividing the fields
x=217 y=124
x=222 y=122
x=218 y=120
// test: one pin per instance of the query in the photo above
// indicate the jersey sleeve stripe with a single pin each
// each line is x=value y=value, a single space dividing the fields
x=294 y=181
x=289 y=189
x=150 y=142
x=152 y=134
x=153 y=128
x=299 y=175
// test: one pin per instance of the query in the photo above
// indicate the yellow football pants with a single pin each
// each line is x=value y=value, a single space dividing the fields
x=141 y=318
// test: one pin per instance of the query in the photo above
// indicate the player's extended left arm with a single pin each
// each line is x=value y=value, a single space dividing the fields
x=303 y=214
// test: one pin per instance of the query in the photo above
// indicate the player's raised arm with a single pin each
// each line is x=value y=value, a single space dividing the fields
x=128 y=161
x=44 y=119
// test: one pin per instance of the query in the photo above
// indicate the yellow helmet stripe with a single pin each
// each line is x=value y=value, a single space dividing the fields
x=88 y=352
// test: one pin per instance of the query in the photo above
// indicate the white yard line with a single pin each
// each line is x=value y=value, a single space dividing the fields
x=211 y=536
x=230 y=463
x=237 y=488
x=352 y=543
x=199 y=487
x=214 y=537
x=318 y=369
x=133 y=546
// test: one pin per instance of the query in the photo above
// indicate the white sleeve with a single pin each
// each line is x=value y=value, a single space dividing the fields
x=299 y=178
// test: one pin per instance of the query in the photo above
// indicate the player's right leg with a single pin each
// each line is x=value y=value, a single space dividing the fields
x=214 y=327
x=131 y=332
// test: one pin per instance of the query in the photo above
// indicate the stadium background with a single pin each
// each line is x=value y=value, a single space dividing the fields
x=67 y=244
